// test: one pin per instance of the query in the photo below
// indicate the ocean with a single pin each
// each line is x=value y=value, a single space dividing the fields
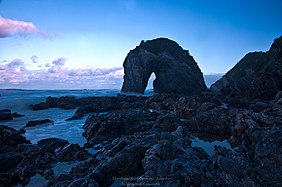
x=19 y=101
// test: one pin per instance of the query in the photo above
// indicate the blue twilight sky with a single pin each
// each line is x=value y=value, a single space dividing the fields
x=59 y=44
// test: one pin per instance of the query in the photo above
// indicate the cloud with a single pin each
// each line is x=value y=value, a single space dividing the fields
x=93 y=71
x=57 y=65
x=59 y=61
x=17 y=63
x=9 y=27
x=34 y=59
x=15 y=75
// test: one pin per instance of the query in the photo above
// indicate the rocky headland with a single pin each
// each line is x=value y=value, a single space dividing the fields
x=136 y=140
x=257 y=75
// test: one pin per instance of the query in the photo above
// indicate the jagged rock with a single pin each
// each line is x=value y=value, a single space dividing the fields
x=175 y=69
x=65 y=102
x=5 y=115
x=38 y=122
x=82 y=169
x=10 y=139
x=211 y=119
x=72 y=152
x=263 y=146
x=27 y=149
x=233 y=169
x=52 y=143
x=17 y=115
x=257 y=75
x=127 y=162
x=9 y=161
x=98 y=128
x=177 y=164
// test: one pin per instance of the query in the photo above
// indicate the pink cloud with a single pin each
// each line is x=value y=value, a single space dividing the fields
x=14 y=74
x=93 y=71
x=16 y=63
x=9 y=27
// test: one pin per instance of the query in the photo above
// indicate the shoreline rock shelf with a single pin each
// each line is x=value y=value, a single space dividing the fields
x=153 y=141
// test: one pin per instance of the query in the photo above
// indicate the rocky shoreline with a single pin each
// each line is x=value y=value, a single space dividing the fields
x=147 y=141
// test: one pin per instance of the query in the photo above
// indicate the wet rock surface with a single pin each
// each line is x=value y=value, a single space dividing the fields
x=38 y=122
x=6 y=114
x=147 y=141
x=20 y=160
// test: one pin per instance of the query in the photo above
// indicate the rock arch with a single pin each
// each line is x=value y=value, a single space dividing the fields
x=175 y=69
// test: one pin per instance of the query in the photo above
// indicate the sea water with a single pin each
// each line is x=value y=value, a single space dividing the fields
x=19 y=101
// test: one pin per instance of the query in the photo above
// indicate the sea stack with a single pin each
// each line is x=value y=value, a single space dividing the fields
x=175 y=69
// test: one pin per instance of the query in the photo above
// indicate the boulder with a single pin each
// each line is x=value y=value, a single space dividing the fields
x=10 y=139
x=52 y=143
x=5 y=115
x=17 y=115
x=38 y=122
x=175 y=69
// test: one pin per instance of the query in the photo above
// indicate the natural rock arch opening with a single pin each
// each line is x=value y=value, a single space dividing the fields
x=150 y=82
x=175 y=69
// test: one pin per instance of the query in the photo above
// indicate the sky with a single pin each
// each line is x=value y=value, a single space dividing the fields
x=81 y=44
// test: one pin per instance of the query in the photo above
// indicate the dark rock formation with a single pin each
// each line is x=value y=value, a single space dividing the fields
x=92 y=104
x=98 y=128
x=257 y=75
x=20 y=160
x=147 y=140
x=72 y=152
x=38 y=122
x=5 y=115
x=142 y=141
x=175 y=69
x=17 y=115
x=52 y=143
x=107 y=104
x=65 y=102
x=10 y=139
